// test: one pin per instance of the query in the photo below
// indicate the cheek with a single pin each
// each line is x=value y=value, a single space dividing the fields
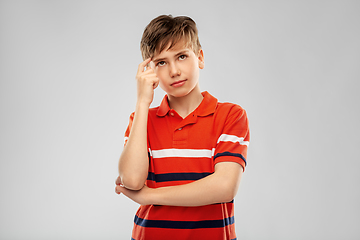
x=160 y=75
x=193 y=68
x=160 y=72
x=162 y=84
x=194 y=71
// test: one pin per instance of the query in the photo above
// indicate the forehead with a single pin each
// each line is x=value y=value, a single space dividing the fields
x=179 y=46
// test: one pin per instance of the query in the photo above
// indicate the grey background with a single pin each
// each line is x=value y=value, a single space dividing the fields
x=67 y=71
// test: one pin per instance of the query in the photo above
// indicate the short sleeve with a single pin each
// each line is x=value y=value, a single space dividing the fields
x=128 y=129
x=233 y=142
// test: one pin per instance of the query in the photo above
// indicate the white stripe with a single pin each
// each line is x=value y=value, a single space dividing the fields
x=125 y=139
x=173 y=152
x=232 y=138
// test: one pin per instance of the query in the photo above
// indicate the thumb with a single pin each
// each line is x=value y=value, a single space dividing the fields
x=156 y=84
x=119 y=188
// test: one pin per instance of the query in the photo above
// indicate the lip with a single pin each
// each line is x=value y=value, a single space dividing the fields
x=178 y=83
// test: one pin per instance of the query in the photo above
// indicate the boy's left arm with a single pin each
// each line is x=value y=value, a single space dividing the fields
x=221 y=186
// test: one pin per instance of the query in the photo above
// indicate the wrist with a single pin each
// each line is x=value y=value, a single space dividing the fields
x=159 y=196
x=153 y=196
x=149 y=197
x=142 y=105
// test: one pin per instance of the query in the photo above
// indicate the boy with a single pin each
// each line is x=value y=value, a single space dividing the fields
x=182 y=161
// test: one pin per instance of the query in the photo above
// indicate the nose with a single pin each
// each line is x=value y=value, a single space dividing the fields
x=174 y=70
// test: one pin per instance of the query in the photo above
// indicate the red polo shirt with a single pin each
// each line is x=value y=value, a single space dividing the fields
x=185 y=150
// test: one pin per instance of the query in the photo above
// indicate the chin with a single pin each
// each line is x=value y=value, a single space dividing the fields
x=180 y=93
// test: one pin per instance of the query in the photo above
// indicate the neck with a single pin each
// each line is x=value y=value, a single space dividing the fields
x=186 y=104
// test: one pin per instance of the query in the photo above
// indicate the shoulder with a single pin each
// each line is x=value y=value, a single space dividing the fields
x=231 y=115
x=228 y=109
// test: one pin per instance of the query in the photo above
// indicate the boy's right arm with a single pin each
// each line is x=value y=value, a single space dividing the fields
x=133 y=162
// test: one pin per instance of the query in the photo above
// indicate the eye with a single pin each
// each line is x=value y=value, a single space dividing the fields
x=161 y=63
x=182 y=57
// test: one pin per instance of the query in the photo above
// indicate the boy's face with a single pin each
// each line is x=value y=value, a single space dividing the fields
x=178 y=69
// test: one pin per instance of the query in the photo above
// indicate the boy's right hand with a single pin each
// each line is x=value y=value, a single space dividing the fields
x=147 y=81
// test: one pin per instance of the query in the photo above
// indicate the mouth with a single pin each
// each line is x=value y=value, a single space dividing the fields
x=178 y=83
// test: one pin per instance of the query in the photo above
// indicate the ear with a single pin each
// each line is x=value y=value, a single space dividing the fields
x=201 y=59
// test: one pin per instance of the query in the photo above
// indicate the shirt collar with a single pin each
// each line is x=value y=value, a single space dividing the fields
x=206 y=107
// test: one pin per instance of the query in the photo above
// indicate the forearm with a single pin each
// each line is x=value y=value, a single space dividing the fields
x=134 y=163
x=221 y=186
x=205 y=191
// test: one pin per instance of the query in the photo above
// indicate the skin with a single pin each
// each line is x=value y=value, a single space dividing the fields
x=180 y=64
x=176 y=71
x=133 y=163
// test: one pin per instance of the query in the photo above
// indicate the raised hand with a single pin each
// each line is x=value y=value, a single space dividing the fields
x=147 y=81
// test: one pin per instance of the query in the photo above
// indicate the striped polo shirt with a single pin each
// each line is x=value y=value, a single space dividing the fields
x=182 y=151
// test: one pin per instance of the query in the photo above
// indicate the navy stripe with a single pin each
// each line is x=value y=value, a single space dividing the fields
x=184 y=224
x=232 y=201
x=167 y=177
x=230 y=154
x=230 y=239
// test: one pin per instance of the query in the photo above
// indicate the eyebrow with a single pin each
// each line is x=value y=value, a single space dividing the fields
x=176 y=55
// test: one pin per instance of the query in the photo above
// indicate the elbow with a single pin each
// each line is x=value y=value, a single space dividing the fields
x=132 y=182
x=228 y=192
x=131 y=178
x=229 y=196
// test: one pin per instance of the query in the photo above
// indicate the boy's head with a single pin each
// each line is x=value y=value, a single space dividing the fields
x=167 y=30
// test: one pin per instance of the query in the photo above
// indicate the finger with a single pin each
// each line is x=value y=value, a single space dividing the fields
x=152 y=65
x=117 y=190
x=156 y=83
x=148 y=77
x=143 y=64
x=118 y=181
x=148 y=71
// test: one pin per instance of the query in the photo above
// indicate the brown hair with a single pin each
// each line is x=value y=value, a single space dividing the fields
x=166 y=29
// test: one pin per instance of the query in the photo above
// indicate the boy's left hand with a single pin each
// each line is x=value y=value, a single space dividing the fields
x=118 y=182
x=140 y=196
